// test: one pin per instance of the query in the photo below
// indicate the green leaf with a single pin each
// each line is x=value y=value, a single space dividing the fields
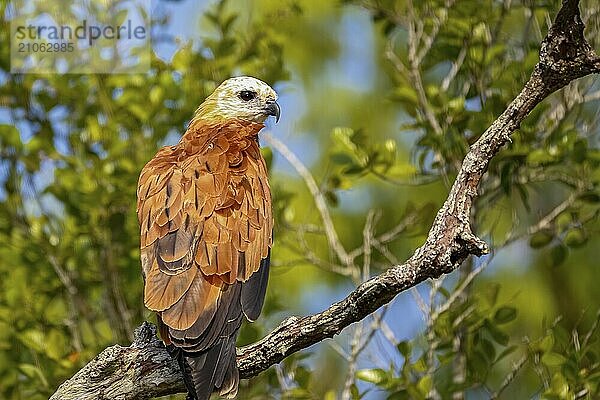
x=139 y=111
x=552 y=359
x=354 y=392
x=558 y=254
x=33 y=372
x=478 y=363
x=9 y=136
x=564 y=220
x=29 y=370
x=405 y=94
x=425 y=384
x=56 y=344
x=505 y=315
x=401 y=170
x=399 y=395
x=546 y=344
x=354 y=169
x=298 y=394
x=421 y=365
x=377 y=376
x=541 y=238
x=55 y=310
x=540 y=157
x=559 y=386
x=579 y=151
x=340 y=158
x=156 y=95
x=444 y=292
x=331 y=198
x=488 y=350
x=34 y=339
x=456 y=104
x=590 y=197
x=404 y=347
x=575 y=237
x=496 y=333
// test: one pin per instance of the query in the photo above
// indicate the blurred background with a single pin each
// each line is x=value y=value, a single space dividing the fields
x=380 y=100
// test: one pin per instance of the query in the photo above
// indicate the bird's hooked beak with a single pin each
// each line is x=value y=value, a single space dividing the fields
x=274 y=110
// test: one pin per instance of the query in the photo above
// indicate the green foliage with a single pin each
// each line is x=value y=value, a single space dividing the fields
x=565 y=362
x=355 y=155
x=70 y=244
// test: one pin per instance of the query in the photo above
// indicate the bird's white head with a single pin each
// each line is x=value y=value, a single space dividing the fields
x=244 y=98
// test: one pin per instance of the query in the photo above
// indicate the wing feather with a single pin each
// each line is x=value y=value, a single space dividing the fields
x=254 y=289
x=161 y=290
x=204 y=209
x=197 y=300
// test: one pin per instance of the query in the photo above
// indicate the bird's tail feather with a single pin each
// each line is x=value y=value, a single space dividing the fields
x=210 y=370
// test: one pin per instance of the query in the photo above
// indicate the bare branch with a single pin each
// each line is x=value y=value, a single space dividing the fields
x=388 y=236
x=546 y=221
x=456 y=65
x=330 y=232
x=352 y=359
x=460 y=290
x=510 y=377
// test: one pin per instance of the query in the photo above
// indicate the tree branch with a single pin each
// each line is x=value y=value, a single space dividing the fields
x=145 y=370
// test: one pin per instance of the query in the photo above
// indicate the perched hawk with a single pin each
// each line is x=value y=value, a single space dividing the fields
x=204 y=208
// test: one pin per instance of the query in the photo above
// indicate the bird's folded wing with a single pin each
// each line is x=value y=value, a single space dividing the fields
x=206 y=224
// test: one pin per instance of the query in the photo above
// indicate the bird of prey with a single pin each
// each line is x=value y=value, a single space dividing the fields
x=204 y=208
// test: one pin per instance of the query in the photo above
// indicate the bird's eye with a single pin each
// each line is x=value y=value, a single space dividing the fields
x=247 y=95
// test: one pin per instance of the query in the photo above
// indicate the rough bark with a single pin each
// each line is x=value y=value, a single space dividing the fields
x=144 y=369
